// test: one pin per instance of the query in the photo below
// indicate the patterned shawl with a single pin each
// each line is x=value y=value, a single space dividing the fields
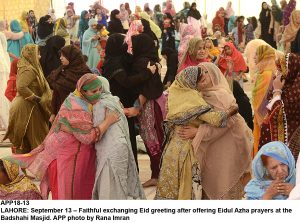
x=293 y=27
x=257 y=187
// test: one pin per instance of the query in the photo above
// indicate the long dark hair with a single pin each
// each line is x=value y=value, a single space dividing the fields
x=254 y=22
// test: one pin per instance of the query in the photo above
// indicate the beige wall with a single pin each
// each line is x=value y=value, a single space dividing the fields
x=12 y=9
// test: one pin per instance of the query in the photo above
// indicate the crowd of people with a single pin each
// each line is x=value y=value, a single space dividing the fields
x=76 y=91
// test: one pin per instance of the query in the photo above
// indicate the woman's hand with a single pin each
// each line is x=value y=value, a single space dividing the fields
x=151 y=68
x=51 y=119
x=278 y=83
x=111 y=117
x=234 y=109
x=285 y=188
x=187 y=132
x=273 y=190
x=131 y=112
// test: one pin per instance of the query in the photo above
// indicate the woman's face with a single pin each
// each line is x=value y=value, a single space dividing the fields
x=208 y=44
x=276 y=169
x=117 y=16
x=204 y=82
x=98 y=11
x=265 y=6
x=202 y=52
x=228 y=50
x=94 y=26
x=64 y=61
x=50 y=20
x=87 y=15
x=93 y=95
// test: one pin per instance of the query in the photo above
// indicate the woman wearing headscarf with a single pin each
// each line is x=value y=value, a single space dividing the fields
x=186 y=32
x=65 y=161
x=282 y=122
x=194 y=18
x=232 y=64
x=170 y=8
x=9 y=34
x=150 y=102
x=274 y=173
x=171 y=58
x=72 y=24
x=115 y=24
x=219 y=22
x=231 y=24
x=63 y=79
x=83 y=25
x=14 y=186
x=116 y=70
x=265 y=21
x=51 y=52
x=124 y=17
x=291 y=35
x=153 y=26
x=213 y=147
x=265 y=61
x=136 y=27
x=44 y=30
x=32 y=22
x=61 y=30
x=127 y=7
x=90 y=40
x=11 y=88
x=229 y=12
x=25 y=28
x=4 y=75
x=276 y=20
x=30 y=110
x=14 y=47
x=180 y=177
x=158 y=15
x=291 y=6
x=116 y=173
x=168 y=34
x=192 y=56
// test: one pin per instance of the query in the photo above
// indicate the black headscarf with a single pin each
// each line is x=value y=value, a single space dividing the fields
x=265 y=14
x=115 y=51
x=44 y=28
x=149 y=32
x=115 y=24
x=50 y=54
x=144 y=46
x=194 y=12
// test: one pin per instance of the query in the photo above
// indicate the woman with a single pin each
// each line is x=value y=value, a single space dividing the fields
x=265 y=20
x=276 y=21
x=9 y=34
x=153 y=26
x=158 y=15
x=265 y=61
x=61 y=30
x=291 y=35
x=148 y=10
x=14 y=186
x=116 y=177
x=212 y=50
x=229 y=12
x=179 y=177
x=282 y=123
x=152 y=110
x=4 y=75
x=83 y=25
x=194 y=18
x=127 y=7
x=25 y=28
x=171 y=58
x=90 y=40
x=186 y=33
x=194 y=54
x=116 y=70
x=44 y=30
x=219 y=22
x=291 y=6
x=232 y=64
x=231 y=23
x=124 y=17
x=72 y=24
x=274 y=173
x=136 y=27
x=115 y=24
x=63 y=79
x=30 y=110
x=65 y=161
x=221 y=178
x=51 y=52
x=14 y=47
x=168 y=34
x=170 y=8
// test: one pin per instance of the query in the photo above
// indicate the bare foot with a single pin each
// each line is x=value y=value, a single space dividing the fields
x=150 y=183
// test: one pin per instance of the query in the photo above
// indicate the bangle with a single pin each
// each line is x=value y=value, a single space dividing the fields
x=277 y=90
